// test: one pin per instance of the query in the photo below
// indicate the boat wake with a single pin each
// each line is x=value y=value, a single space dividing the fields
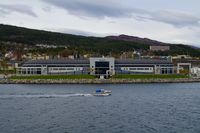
x=45 y=95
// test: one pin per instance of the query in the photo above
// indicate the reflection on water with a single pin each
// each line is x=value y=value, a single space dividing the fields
x=132 y=108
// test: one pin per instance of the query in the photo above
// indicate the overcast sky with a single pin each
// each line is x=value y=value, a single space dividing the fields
x=174 y=21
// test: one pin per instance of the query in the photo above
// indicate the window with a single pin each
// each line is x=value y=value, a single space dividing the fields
x=132 y=68
x=70 y=68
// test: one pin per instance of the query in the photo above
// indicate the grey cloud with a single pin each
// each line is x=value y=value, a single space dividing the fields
x=112 y=8
x=90 y=8
x=24 y=9
x=175 y=18
x=3 y=12
x=46 y=9
x=179 y=19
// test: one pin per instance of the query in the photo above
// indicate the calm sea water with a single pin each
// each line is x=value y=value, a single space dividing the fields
x=132 y=108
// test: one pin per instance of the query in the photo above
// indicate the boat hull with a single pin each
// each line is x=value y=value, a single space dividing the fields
x=101 y=95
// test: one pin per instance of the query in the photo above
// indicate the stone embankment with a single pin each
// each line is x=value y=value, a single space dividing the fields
x=98 y=81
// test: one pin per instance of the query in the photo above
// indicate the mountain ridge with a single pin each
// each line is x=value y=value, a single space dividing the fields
x=122 y=37
x=101 y=45
x=129 y=38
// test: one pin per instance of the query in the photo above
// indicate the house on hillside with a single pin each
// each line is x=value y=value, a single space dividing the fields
x=159 y=48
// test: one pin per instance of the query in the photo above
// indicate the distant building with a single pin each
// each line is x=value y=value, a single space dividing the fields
x=97 y=66
x=126 y=55
x=182 y=57
x=159 y=48
x=71 y=56
x=9 y=54
x=157 y=57
x=40 y=57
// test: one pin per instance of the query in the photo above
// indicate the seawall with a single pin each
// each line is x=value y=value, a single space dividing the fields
x=99 y=81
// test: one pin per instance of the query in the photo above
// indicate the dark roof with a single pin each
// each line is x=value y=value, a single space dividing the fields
x=142 y=61
x=84 y=61
x=57 y=61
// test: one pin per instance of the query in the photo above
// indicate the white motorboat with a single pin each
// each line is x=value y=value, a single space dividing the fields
x=102 y=92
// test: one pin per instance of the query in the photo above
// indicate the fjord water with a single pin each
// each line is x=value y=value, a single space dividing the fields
x=132 y=108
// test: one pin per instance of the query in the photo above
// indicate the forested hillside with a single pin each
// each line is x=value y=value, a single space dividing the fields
x=104 y=45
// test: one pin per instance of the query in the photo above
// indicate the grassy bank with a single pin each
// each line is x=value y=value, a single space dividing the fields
x=137 y=76
x=53 y=77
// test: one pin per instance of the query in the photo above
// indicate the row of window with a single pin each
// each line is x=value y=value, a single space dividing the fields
x=65 y=69
x=31 y=69
x=146 y=68
x=136 y=68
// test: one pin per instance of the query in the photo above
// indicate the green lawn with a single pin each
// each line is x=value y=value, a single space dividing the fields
x=137 y=76
x=54 y=77
x=121 y=76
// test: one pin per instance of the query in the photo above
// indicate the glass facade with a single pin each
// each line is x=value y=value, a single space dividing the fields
x=101 y=68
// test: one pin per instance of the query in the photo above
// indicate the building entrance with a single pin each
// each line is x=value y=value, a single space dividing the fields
x=102 y=67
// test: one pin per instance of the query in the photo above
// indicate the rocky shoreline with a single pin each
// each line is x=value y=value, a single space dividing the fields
x=99 y=81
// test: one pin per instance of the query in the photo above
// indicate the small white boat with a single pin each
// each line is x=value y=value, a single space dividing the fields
x=102 y=92
x=102 y=95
